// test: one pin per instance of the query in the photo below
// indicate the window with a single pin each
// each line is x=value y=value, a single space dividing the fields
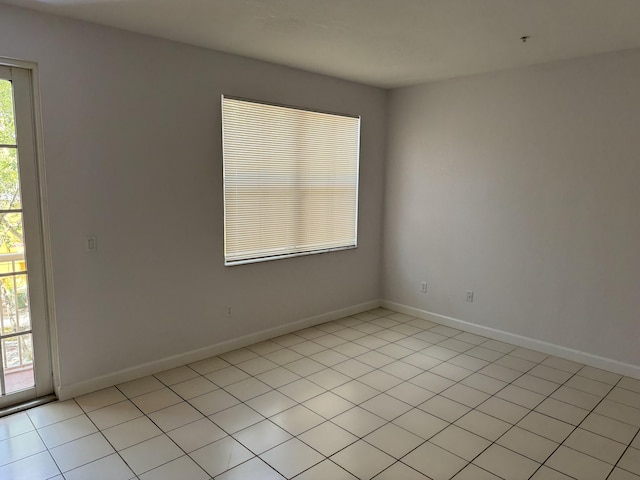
x=290 y=181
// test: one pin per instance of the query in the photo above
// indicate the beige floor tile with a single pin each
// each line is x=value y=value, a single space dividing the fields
x=530 y=355
x=213 y=402
x=380 y=380
x=467 y=361
x=20 y=446
x=628 y=383
x=175 y=416
x=421 y=423
x=358 y=421
x=456 y=345
x=129 y=433
x=40 y=465
x=194 y=387
x=262 y=436
x=80 y=452
x=536 y=384
x=156 y=400
x=196 y=435
x=434 y=462
x=291 y=457
x=546 y=473
x=66 y=431
x=422 y=361
x=220 y=456
x=265 y=347
x=176 y=375
x=54 y=412
x=597 y=446
x=254 y=468
x=630 y=461
x=400 y=471
x=325 y=470
x=257 y=365
x=562 y=411
x=208 y=365
x=297 y=420
x=15 y=424
x=504 y=410
x=353 y=368
x=484 y=425
x=444 y=408
x=562 y=364
x=471 y=338
x=401 y=370
x=355 y=392
x=484 y=354
x=466 y=395
x=111 y=467
x=328 y=405
x=451 y=371
x=576 y=397
x=307 y=348
x=278 y=377
x=329 y=358
x=327 y=438
x=140 y=386
x=301 y=390
x=499 y=372
x=363 y=460
x=515 y=363
x=619 y=412
x=283 y=356
x=610 y=428
x=506 y=464
x=528 y=444
x=386 y=406
x=483 y=383
x=600 y=375
x=619 y=474
x=150 y=454
x=271 y=403
x=589 y=385
x=393 y=440
x=578 y=465
x=329 y=378
x=227 y=376
x=625 y=397
x=238 y=356
x=410 y=393
x=247 y=389
x=183 y=468
x=520 y=396
x=550 y=374
x=460 y=442
x=236 y=418
x=99 y=399
x=473 y=472
x=547 y=427
x=432 y=382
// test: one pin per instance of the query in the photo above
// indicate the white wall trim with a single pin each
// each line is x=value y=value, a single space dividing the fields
x=521 y=341
x=65 y=392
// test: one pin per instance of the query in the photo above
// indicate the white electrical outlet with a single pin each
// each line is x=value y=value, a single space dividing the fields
x=423 y=287
x=227 y=311
x=469 y=296
x=91 y=244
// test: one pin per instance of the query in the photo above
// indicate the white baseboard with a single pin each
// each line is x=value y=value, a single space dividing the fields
x=526 y=342
x=65 y=392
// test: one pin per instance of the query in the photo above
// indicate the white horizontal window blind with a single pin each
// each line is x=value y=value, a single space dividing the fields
x=290 y=181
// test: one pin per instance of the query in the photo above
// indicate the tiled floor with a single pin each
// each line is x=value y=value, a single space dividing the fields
x=379 y=395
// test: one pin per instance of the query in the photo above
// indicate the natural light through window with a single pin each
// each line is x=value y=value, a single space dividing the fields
x=290 y=181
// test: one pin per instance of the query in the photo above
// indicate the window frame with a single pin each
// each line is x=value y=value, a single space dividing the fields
x=279 y=256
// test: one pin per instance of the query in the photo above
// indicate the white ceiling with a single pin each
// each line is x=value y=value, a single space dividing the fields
x=387 y=43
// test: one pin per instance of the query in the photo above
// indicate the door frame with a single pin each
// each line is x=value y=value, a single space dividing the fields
x=46 y=365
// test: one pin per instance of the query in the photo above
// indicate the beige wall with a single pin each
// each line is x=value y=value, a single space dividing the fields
x=133 y=155
x=523 y=186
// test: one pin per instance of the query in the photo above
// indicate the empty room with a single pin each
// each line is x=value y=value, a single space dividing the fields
x=330 y=239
